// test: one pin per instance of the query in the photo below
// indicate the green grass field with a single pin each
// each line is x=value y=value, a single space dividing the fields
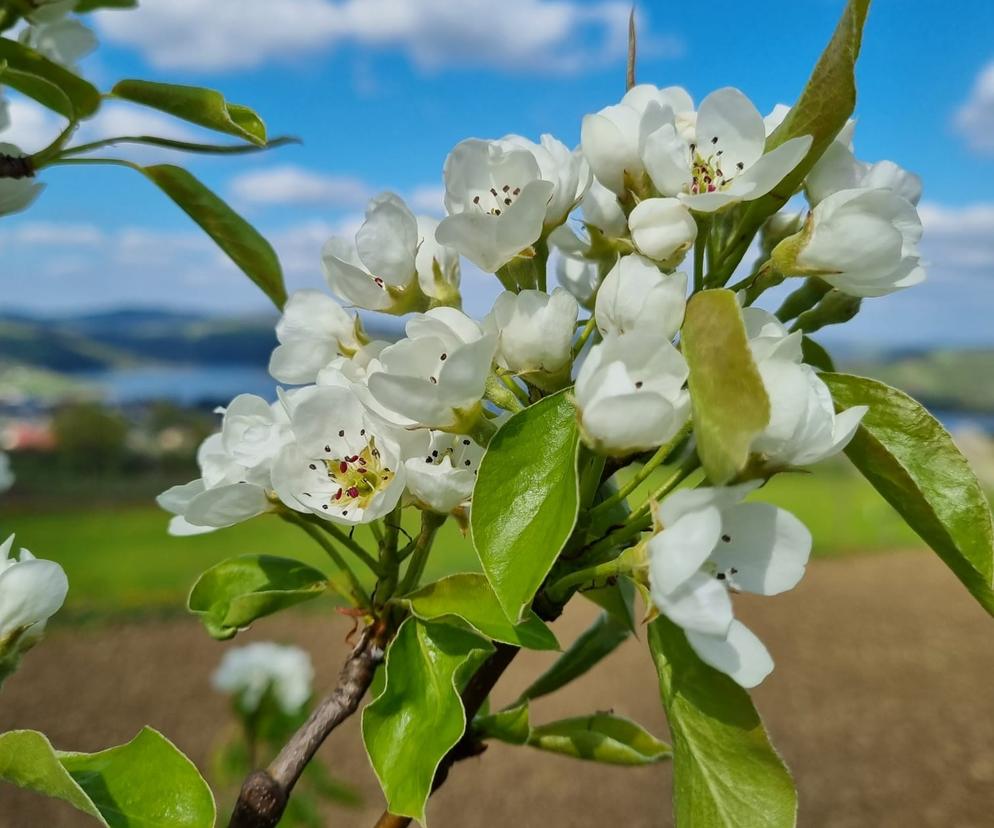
x=122 y=560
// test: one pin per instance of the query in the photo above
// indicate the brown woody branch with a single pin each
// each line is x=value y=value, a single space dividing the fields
x=265 y=793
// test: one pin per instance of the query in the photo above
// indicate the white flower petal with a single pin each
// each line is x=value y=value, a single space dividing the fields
x=740 y=654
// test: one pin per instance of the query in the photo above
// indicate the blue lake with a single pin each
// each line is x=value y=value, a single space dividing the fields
x=186 y=385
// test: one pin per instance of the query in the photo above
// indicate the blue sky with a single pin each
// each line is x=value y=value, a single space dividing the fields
x=380 y=90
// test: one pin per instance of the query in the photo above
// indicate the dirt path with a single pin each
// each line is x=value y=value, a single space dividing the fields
x=882 y=704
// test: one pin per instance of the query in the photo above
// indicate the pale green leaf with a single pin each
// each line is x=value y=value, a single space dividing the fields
x=526 y=500
x=204 y=107
x=419 y=716
x=233 y=593
x=470 y=597
x=912 y=461
x=146 y=783
x=729 y=402
x=52 y=85
x=726 y=773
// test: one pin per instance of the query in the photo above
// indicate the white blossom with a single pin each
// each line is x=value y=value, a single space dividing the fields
x=863 y=242
x=435 y=378
x=630 y=394
x=637 y=297
x=31 y=592
x=662 y=229
x=442 y=481
x=65 y=41
x=613 y=139
x=249 y=672
x=711 y=543
x=566 y=169
x=725 y=161
x=313 y=330
x=342 y=464
x=497 y=201
x=17 y=194
x=534 y=332
x=839 y=169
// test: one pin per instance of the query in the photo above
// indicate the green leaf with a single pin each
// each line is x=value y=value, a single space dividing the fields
x=729 y=401
x=419 y=716
x=144 y=783
x=726 y=773
x=526 y=500
x=84 y=6
x=470 y=597
x=912 y=461
x=602 y=737
x=618 y=600
x=235 y=236
x=232 y=594
x=599 y=640
x=815 y=355
x=204 y=107
x=53 y=86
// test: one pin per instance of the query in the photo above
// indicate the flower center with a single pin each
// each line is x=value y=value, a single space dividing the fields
x=356 y=478
x=707 y=172
x=497 y=199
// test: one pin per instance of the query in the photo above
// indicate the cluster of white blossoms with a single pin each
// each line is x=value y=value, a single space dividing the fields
x=250 y=672
x=369 y=426
x=50 y=29
x=31 y=592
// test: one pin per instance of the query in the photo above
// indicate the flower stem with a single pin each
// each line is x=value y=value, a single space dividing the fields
x=430 y=524
x=700 y=247
x=184 y=146
x=359 y=592
x=683 y=470
x=353 y=546
x=642 y=474
x=595 y=576
x=585 y=334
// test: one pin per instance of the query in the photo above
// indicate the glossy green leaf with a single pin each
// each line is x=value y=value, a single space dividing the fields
x=232 y=594
x=726 y=773
x=602 y=737
x=52 y=85
x=205 y=107
x=599 y=640
x=729 y=401
x=470 y=597
x=617 y=600
x=815 y=355
x=526 y=500
x=146 y=783
x=419 y=716
x=906 y=454
x=236 y=237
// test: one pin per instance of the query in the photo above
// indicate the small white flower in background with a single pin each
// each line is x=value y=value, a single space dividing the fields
x=435 y=378
x=803 y=428
x=534 y=332
x=863 y=242
x=249 y=672
x=725 y=161
x=66 y=41
x=31 y=592
x=612 y=139
x=576 y=274
x=313 y=330
x=630 y=395
x=443 y=479
x=379 y=271
x=49 y=11
x=710 y=543
x=636 y=297
x=6 y=475
x=16 y=194
x=662 y=229
x=497 y=201
x=566 y=169
x=343 y=464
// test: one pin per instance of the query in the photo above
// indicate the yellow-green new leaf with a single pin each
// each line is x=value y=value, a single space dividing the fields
x=146 y=782
x=419 y=715
x=233 y=593
x=729 y=401
x=526 y=500
x=205 y=107
x=906 y=454
x=470 y=597
x=726 y=773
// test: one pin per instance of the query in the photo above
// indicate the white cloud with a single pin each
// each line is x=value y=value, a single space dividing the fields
x=959 y=237
x=32 y=127
x=559 y=36
x=51 y=234
x=428 y=199
x=975 y=119
x=290 y=184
